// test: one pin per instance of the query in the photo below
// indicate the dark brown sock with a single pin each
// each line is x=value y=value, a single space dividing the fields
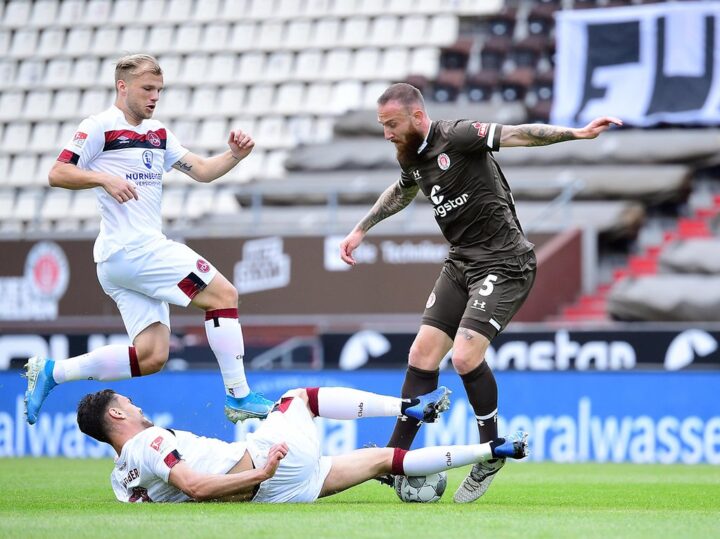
x=417 y=382
x=482 y=393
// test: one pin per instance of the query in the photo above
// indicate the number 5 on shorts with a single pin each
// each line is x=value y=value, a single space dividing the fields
x=487 y=286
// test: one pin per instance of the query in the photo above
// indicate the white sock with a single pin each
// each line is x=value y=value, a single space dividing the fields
x=226 y=340
x=346 y=403
x=110 y=362
x=429 y=460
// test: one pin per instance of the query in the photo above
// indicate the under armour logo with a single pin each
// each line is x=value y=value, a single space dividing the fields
x=478 y=305
x=416 y=174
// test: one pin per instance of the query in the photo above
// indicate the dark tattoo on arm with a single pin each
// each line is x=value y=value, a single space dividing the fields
x=465 y=334
x=542 y=135
x=183 y=166
x=394 y=199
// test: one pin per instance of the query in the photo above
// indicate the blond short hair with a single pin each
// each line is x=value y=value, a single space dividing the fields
x=133 y=65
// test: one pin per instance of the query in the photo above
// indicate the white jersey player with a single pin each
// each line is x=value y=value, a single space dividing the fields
x=281 y=461
x=122 y=154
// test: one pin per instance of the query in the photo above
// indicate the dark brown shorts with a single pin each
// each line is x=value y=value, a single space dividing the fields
x=482 y=296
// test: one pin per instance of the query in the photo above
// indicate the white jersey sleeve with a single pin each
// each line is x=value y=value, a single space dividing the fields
x=173 y=150
x=86 y=144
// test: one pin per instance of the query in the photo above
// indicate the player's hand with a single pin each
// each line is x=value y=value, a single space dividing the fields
x=241 y=144
x=275 y=455
x=120 y=189
x=349 y=244
x=597 y=126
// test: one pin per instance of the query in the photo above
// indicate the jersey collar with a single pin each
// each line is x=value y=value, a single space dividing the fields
x=428 y=136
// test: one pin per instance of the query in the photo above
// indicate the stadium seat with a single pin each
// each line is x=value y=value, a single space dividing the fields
x=125 y=11
x=84 y=206
x=271 y=35
x=251 y=68
x=345 y=95
x=354 y=32
x=325 y=33
x=213 y=134
x=44 y=12
x=58 y=72
x=210 y=11
x=16 y=137
x=503 y=23
x=216 y=37
x=278 y=67
x=425 y=61
x=11 y=102
x=98 y=11
x=7 y=72
x=22 y=170
x=65 y=104
x=55 y=206
x=259 y=9
x=515 y=85
x=317 y=8
x=194 y=68
x=24 y=42
x=443 y=30
x=541 y=19
x=235 y=11
x=447 y=85
x=412 y=28
x=171 y=66
x=187 y=39
x=539 y=112
x=307 y=65
x=51 y=42
x=543 y=85
x=85 y=72
x=366 y=63
x=271 y=133
x=7 y=203
x=30 y=73
x=290 y=98
x=94 y=101
x=17 y=13
x=105 y=41
x=528 y=52
x=231 y=100
x=494 y=51
x=204 y=101
x=289 y=9
x=161 y=39
x=383 y=31
x=4 y=173
x=301 y=129
x=482 y=86
x=371 y=92
x=151 y=12
x=37 y=105
x=65 y=134
x=261 y=98
x=132 y=39
x=45 y=163
x=456 y=56
x=371 y=8
x=174 y=101
x=222 y=68
x=173 y=203
x=185 y=130
x=78 y=41
x=242 y=36
x=71 y=11
x=394 y=65
x=297 y=34
x=337 y=64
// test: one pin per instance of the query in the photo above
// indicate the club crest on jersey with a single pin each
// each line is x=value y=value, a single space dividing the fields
x=147 y=159
x=202 y=266
x=443 y=161
x=153 y=139
x=481 y=128
x=156 y=443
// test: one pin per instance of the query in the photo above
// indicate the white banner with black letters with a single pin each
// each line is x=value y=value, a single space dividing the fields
x=647 y=65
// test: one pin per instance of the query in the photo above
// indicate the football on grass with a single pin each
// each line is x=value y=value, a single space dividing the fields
x=424 y=489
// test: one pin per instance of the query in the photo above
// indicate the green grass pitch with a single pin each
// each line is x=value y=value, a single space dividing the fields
x=59 y=498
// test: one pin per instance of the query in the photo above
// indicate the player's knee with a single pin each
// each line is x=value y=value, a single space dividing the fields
x=464 y=362
x=422 y=357
x=152 y=361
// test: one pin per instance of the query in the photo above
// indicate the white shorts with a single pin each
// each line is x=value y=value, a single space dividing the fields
x=301 y=474
x=143 y=281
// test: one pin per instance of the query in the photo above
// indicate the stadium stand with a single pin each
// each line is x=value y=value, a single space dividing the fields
x=302 y=76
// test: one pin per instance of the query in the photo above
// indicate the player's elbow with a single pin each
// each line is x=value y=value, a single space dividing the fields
x=197 y=490
x=54 y=176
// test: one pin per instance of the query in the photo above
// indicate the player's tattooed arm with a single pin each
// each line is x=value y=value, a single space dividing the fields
x=534 y=135
x=542 y=135
x=183 y=166
x=394 y=198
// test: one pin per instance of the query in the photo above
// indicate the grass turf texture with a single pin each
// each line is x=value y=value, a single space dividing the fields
x=62 y=498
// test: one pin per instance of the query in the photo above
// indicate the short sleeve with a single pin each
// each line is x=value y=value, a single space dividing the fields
x=173 y=150
x=85 y=145
x=406 y=179
x=472 y=135
x=160 y=453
